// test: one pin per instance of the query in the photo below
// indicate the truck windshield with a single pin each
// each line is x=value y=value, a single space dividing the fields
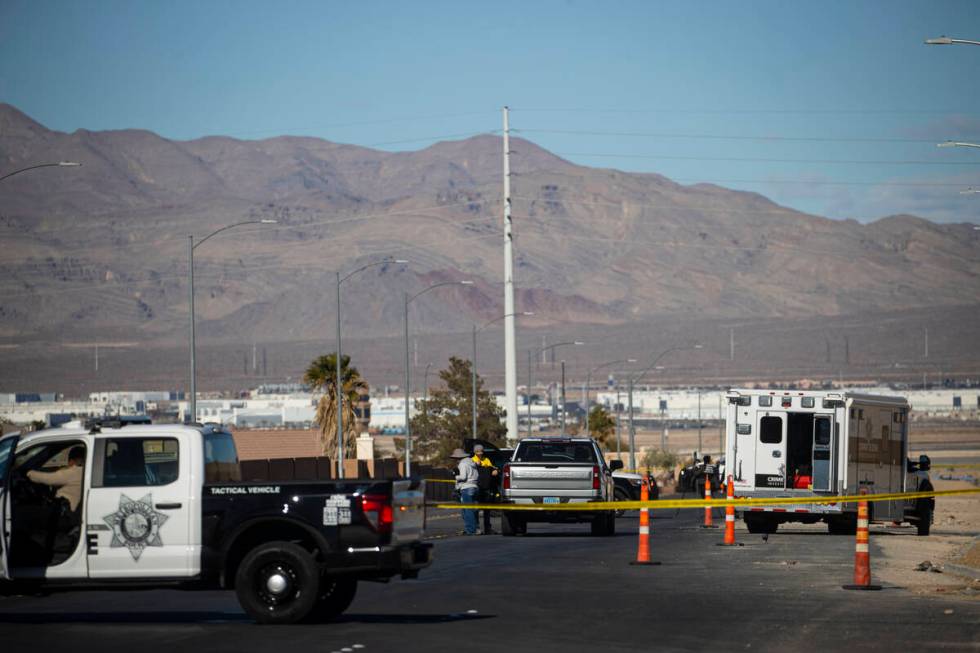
x=220 y=458
x=554 y=452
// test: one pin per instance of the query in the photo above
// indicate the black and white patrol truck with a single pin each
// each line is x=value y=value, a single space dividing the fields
x=783 y=443
x=164 y=506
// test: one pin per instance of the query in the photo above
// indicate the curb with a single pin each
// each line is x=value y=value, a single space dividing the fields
x=960 y=570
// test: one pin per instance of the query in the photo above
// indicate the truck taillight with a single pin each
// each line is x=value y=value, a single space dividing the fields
x=506 y=483
x=377 y=509
x=595 y=477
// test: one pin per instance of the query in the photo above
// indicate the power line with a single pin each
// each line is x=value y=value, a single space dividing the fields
x=765 y=160
x=363 y=123
x=690 y=110
x=813 y=139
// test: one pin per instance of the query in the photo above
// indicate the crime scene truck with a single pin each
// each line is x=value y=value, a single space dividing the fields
x=791 y=443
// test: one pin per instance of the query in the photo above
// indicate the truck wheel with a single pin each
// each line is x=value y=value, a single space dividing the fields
x=620 y=495
x=843 y=525
x=603 y=525
x=335 y=595
x=760 y=525
x=508 y=524
x=278 y=583
x=924 y=513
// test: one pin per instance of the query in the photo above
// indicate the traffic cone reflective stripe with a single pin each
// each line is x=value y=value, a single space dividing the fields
x=862 y=555
x=729 y=514
x=643 y=550
x=707 y=497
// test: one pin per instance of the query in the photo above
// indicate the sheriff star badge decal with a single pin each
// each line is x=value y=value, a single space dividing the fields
x=136 y=525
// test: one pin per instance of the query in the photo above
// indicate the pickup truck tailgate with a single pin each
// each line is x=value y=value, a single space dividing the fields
x=564 y=479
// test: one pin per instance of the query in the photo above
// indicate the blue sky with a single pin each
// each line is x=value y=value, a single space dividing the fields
x=854 y=99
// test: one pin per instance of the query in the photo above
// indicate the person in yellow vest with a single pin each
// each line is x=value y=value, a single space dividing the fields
x=488 y=482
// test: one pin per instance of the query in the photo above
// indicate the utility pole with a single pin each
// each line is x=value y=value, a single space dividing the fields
x=699 y=420
x=473 y=382
x=561 y=394
x=619 y=446
x=510 y=351
x=528 y=393
x=926 y=342
x=632 y=431
x=96 y=358
x=731 y=343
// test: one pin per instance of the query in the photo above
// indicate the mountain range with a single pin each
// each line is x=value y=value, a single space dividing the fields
x=101 y=251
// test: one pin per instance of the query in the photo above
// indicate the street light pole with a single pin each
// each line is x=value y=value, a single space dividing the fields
x=191 y=246
x=408 y=377
x=339 y=385
x=576 y=343
x=637 y=377
x=473 y=384
x=561 y=415
x=945 y=40
x=60 y=164
x=588 y=387
x=473 y=365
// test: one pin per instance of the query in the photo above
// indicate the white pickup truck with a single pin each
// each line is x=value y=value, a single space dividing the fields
x=558 y=471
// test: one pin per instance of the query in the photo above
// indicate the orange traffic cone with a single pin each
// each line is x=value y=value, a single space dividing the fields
x=862 y=557
x=707 y=509
x=729 y=516
x=643 y=551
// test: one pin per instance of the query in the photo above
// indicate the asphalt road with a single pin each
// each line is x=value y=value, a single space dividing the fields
x=556 y=589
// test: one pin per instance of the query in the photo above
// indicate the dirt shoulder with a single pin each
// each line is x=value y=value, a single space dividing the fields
x=952 y=548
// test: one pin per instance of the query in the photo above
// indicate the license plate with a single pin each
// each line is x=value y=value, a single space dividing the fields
x=552 y=500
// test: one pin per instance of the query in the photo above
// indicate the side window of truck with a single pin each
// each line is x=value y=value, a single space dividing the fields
x=771 y=430
x=140 y=462
x=220 y=459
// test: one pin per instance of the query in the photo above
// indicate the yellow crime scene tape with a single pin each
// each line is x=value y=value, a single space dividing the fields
x=704 y=503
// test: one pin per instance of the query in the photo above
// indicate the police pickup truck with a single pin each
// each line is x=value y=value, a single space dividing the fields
x=552 y=471
x=147 y=506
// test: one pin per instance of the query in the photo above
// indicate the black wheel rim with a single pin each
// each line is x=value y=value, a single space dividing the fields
x=277 y=585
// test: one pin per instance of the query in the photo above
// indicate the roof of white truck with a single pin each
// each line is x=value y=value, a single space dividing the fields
x=824 y=394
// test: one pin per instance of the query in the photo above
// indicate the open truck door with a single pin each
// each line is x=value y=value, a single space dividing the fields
x=7 y=447
x=770 y=457
x=823 y=453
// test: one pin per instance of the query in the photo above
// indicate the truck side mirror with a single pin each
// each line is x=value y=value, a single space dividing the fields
x=615 y=464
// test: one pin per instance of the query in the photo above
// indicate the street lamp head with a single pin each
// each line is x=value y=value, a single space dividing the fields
x=942 y=40
x=269 y=221
x=466 y=283
x=69 y=164
x=699 y=346
x=528 y=313
x=630 y=360
x=578 y=343
x=946 y=144
x=400 y=260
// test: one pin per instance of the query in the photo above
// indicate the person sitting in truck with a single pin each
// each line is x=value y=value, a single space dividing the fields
x=68 y=479
x=803 y=478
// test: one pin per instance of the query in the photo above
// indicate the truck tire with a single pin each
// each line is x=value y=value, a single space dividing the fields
x=923 y=511
x=334 y=596
x=843 y=525
x=604 y=525
x=620 y=494
x=510 y=524
x=760 y=524
x=278 y=583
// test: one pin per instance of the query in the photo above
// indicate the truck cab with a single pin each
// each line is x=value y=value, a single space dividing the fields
x=163 y=505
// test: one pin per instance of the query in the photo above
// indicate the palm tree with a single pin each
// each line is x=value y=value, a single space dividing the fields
x=322 y=376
